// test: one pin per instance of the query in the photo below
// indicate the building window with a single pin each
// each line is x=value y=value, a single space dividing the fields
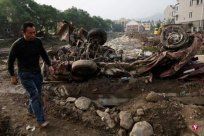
x=190 y=14
x=177 y=8
x=177 y=18
x=191 y=3
x=198 y=2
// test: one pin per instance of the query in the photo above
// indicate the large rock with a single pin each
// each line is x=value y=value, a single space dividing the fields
x=106 y=117
x=154 y=97
x=126 y=120
x=83 y=103
x=142 y=128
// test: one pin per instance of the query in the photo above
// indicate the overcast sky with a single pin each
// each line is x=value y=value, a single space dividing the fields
x=113 y=9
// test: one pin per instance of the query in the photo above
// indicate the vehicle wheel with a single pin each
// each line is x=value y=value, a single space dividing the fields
x=97 y=34
x=84 y=68
x=174 y=37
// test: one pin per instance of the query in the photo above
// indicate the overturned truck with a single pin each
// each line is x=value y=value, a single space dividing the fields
x=86 y=56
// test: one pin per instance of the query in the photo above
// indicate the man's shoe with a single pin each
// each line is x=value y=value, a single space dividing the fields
x=44 y=124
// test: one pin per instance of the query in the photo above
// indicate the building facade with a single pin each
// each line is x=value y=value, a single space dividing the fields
x=133 y=26
x=189 y=12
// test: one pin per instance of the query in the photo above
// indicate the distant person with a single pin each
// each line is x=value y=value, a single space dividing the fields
x=28 y=50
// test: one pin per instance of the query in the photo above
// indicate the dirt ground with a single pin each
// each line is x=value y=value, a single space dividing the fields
x=174 y=115
x=168 y=117
x=14 y=120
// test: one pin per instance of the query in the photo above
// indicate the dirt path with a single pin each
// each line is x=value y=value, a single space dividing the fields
x=12 y=106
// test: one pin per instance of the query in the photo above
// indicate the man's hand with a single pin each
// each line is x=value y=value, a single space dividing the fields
x=51 y=70
x=14 y=80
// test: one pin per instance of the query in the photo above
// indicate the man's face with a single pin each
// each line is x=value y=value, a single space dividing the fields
x=29 y=33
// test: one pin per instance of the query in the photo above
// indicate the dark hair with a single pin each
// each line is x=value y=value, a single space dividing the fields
x=25 y=25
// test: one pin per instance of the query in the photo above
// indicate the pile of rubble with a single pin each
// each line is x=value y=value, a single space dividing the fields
x=145 y=39
x=141 y=115
x=131 y=47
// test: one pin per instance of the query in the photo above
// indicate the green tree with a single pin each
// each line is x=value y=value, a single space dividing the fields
x=46 y=17
x=81 y=18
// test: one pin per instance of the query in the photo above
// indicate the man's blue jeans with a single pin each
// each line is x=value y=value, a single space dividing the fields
x=32 y=82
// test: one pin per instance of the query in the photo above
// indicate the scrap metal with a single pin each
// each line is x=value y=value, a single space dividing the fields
x=175 y=59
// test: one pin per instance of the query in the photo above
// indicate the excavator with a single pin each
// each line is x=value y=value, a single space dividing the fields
x=157 y=31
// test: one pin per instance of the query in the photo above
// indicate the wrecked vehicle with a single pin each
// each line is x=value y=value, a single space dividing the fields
x=177 y=56
x=86 y=56
x=78 y=60
x=175 y=59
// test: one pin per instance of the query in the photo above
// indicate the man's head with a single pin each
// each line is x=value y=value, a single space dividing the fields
x=28 y=31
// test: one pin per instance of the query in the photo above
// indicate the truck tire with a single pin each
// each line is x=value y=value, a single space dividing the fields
x=174 y=37
x=98 y=34
x=84 y=68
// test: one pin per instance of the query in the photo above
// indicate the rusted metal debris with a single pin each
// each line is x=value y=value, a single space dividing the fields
x=86 y=56
x=169 y=63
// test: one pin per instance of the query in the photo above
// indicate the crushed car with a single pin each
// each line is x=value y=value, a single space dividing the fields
x=78 y=60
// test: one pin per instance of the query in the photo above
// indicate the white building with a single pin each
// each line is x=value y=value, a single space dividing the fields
x=134 y=26
x=189 y=12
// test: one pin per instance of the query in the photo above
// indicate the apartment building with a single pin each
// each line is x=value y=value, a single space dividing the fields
x=189 y=12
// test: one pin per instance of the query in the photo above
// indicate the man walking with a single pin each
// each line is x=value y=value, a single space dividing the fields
x=28 y=50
